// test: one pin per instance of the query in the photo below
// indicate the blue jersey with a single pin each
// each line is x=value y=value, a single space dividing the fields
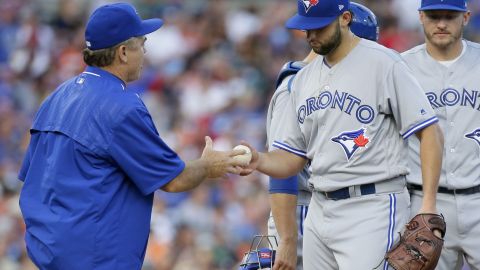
x=94 y=160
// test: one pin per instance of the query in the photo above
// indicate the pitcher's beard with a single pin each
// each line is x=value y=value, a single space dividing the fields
x=332 y=43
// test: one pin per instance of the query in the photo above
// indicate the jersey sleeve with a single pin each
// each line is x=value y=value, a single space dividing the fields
x=406 y=101
x=22 y=174
x=285 y=131
x=137 y=148
x=276 y=110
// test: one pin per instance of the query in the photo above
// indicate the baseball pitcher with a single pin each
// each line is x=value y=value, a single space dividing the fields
x=350 y=111
x=289 y=198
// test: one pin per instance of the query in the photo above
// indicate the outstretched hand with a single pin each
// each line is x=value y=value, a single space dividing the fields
x=252 y=166
x=219 y=163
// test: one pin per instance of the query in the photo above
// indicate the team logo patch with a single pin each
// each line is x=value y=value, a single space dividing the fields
x=351 y=141
x=474 y=135
x=308 y=4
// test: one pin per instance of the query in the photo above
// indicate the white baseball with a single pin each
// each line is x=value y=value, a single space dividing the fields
x=244 y=158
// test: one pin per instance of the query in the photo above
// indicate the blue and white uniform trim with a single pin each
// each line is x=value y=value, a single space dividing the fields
x=302 y=214
x=91 y=73
x=290 y=149
x=391 y=226
x=419 y=126
x=288 y=69
x=98 y=75
x=290 y=81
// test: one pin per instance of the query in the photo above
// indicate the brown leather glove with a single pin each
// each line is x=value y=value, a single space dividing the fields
x=418 y=248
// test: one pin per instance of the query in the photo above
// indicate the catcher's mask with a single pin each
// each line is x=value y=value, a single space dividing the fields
x=259 y=258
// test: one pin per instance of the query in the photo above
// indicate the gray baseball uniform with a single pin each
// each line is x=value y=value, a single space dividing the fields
x=453 y=93
x=351 y=122
x=275 y=113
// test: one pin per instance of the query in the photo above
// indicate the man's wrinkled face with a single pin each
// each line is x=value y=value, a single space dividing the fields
x=136 y=56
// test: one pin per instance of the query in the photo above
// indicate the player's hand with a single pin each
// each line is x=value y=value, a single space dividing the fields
x=429 y=210
x=219 y=163
x=286 y=256
x=252 y=166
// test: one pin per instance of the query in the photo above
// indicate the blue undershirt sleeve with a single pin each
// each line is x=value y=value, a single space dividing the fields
x=286 y=185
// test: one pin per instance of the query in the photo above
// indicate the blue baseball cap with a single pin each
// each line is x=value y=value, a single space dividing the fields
x=456 y=5
x=112 y=24
x=316 y=14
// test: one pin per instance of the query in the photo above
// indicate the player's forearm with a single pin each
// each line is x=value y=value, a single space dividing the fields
x=284 y=214
x=431 y=152
x=195 y=172
x=280 y=164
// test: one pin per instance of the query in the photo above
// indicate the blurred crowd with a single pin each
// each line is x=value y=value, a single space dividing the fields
x=211 y=70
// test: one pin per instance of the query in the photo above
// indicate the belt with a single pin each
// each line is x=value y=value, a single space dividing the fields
x=392 y=185
x=462 y=191
x=344 y=193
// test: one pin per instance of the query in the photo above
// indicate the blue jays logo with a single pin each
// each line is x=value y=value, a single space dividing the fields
x=309 y=3
x=474 y=135
x=351 y=141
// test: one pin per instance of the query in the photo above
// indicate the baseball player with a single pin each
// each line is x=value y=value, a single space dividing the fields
x=289 y=198
x=95 y=157
x=447 y=68
x=349 y=114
